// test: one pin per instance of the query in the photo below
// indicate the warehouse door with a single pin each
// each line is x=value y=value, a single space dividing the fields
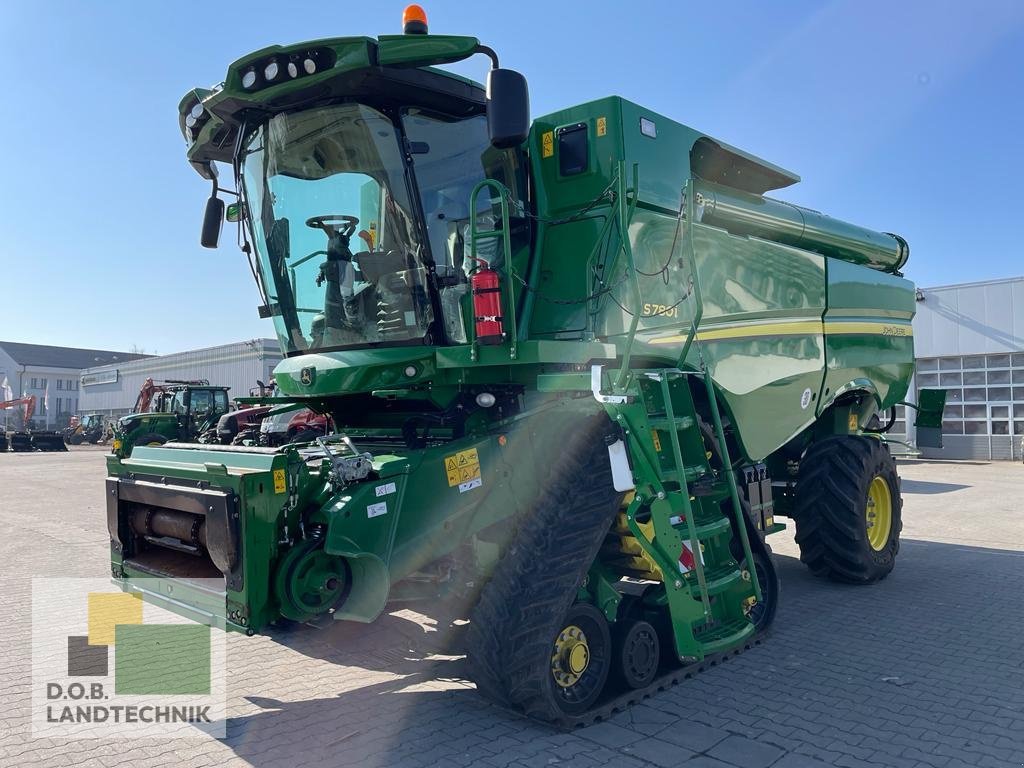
x=1000 y=431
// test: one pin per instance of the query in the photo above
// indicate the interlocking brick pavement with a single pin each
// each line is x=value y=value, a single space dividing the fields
x=924 y=670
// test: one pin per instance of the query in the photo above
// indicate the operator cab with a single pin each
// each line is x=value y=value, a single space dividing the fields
x=357 y=248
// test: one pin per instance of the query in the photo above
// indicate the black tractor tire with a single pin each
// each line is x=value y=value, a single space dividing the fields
x=637 y=653
x=762 y=614
x=530 y=597
x=249 y=433
x=151 y=438
x=305 y=436
x=75 y=439
x=832 y=508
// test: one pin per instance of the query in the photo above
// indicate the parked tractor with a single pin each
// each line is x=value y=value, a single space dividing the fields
x=578 y=369
x=258 y=422
x=291 y=425
x=171 y=411
x=89 y=428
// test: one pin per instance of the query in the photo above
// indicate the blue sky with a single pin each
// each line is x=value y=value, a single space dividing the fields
x=905 y=117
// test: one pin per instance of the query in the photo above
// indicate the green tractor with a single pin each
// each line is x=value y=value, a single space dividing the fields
x=578 y=369
x=172 y=411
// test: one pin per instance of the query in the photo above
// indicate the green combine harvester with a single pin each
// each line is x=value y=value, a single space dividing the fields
x=579 y=367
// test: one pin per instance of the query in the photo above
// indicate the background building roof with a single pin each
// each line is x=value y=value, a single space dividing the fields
x=63 y=357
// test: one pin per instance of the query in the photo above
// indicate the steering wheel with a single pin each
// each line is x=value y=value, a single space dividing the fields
x=334 y=224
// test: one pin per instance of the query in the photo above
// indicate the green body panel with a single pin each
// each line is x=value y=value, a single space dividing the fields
x=130 y=428
x=410 y=513
x=251 y=477
x=709 y=327
x=412 y=50
x=881 y=362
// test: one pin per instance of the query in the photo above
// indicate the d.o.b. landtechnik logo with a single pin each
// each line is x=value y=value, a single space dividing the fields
x=107 y=663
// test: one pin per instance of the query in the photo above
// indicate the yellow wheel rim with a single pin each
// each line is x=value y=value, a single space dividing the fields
x=878 y=513
x=570 y=656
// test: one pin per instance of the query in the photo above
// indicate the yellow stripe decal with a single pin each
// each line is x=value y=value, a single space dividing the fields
x=887 y=328
x=796 y=328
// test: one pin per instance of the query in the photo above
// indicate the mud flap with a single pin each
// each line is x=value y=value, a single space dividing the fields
x=930 y=405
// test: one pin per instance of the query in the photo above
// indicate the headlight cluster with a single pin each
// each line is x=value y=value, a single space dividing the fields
x=194 y=120
x=286 y=66
x=195 y=115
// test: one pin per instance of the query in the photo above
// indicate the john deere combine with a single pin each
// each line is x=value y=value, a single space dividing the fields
x=578 y=368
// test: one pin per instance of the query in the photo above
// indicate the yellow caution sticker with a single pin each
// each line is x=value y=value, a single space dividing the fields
x=463 y=470
x=854 y=422
x=279 y=484
x=547 y=144
x=656 y=440
x=602 y=126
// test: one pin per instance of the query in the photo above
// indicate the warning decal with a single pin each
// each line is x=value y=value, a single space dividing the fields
x=462 y=468
x=279 y=483
x=547 y=144
x=686 y=560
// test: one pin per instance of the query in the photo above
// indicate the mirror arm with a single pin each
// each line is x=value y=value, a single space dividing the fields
x=217 y=188
x=489 y=52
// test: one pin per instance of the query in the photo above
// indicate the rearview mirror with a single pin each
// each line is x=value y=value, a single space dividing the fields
x=213 y=221
x=508 y=108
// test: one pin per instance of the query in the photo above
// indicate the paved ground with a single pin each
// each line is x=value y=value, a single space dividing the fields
x=924 y=669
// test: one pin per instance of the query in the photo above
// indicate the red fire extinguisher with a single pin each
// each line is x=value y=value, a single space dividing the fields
x=487 y=305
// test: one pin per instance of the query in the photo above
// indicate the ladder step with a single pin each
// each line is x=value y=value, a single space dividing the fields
x=706 y=526
x=712 y=529
x=717 y=579
x=724 y=636
x=664 y=423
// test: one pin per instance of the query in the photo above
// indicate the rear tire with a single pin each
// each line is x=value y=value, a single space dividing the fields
x=848 y=509
x=152 y=439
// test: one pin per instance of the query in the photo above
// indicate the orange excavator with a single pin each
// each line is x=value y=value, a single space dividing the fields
x=145 y=398
x=27 y=439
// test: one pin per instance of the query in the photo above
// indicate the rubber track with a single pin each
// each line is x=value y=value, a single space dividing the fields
x=535 y=583
x=508 y=642
x=828 y=517
x=662 y=683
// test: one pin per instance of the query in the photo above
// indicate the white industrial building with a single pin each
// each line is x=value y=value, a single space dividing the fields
x=969 y=340
x=112 y=389
x=52 y=375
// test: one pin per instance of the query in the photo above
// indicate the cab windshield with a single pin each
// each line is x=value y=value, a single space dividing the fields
x=337 y=247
